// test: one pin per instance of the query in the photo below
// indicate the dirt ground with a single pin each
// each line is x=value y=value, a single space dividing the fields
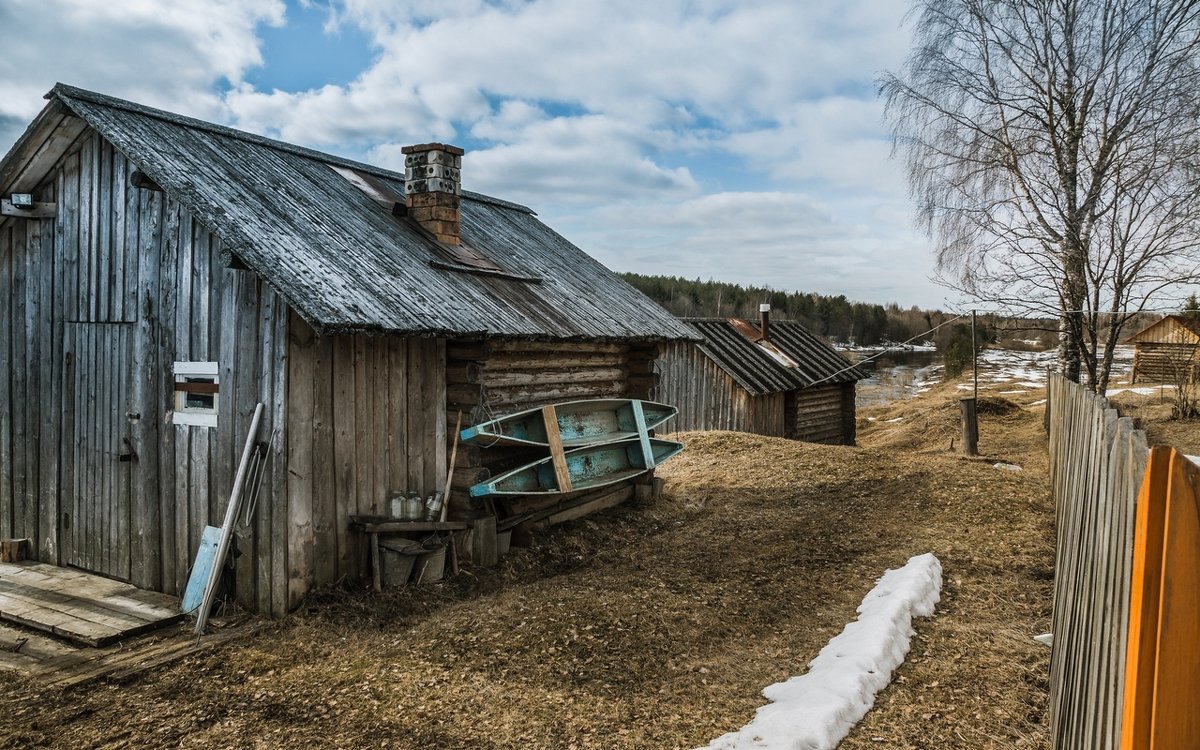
x=651 y=626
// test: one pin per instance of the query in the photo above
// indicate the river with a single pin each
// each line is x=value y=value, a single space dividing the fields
x=896 y=375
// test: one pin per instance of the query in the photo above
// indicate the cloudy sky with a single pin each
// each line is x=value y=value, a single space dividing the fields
x=738 y=140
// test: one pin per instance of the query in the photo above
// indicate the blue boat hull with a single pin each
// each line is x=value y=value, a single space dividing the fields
x=579 y=423
x=589 y=467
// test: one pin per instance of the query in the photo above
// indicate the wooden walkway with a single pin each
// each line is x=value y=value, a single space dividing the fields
x=80 y=607
x=51 y=662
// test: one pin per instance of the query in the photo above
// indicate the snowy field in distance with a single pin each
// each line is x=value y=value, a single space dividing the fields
x=903 y=375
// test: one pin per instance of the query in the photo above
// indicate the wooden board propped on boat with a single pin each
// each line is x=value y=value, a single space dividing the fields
x=562 y=474
x=79 y=606
x=643 y=431
x=579 y=423
x=588 y=467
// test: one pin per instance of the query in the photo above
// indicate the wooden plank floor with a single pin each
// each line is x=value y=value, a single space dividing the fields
x=52 y=662
x=78 y=606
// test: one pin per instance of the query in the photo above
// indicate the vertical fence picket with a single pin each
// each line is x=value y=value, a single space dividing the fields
x=1097 y=460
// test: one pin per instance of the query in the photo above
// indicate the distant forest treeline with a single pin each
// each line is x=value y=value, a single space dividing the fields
x=842 y=321
x=836 y=318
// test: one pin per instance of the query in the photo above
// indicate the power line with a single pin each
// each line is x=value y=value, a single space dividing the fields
x=895 y=347
x=1164 y=310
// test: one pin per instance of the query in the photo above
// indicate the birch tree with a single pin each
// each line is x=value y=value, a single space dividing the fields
x=1052 y=149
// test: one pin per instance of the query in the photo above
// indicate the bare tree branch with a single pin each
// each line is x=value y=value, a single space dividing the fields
x=1053 y=151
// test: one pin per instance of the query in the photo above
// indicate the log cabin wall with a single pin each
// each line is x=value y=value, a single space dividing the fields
x=99 y=302
x=822 y=414
x=366 y=417
x=1171 y=363
x=487 y=379
x=708 y=398
x=1166 y=351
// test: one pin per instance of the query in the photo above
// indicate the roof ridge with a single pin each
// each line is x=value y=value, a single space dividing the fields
x=66 y=92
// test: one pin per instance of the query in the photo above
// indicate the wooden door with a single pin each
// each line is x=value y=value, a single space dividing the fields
x=96 y=452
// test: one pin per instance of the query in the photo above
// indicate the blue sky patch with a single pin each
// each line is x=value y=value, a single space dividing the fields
x=301 y=55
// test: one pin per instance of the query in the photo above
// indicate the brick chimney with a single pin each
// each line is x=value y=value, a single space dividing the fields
x=431 y=188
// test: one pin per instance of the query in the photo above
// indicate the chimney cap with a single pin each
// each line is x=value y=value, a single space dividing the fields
x=421 y=147
x=764 y=307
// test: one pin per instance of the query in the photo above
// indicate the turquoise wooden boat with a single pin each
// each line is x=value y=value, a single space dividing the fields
x=588 y=467
x=579 y=423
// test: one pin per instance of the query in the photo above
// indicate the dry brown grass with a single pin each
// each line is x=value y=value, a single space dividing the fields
x=649 y=627
x=1155 y=414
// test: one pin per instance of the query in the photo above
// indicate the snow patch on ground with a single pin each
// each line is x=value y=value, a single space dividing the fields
x=1039 y=402
x=1143 y=391
x=1193 y=459
x=885 y=346
x=816 y=710
x=1006 y=467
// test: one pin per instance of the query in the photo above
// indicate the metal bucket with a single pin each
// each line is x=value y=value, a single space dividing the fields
x=431 y=566
x=397 y=558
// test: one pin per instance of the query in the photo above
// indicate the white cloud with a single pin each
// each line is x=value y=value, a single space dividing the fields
x=785 y=240
x=166 y=53
x=735 y=63
x=724 y=138
x=839 y=140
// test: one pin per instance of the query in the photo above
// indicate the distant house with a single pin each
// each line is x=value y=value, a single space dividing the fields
x=1165 y=351
x=775 y=379
x=170 y=274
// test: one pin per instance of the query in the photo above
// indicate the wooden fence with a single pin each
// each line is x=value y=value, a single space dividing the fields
x=1127 y=571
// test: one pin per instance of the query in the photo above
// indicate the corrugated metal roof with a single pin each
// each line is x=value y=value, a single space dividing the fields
x=345 y=264
x=758 y=372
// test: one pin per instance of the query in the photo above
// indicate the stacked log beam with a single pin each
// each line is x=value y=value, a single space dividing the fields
x=486 y=379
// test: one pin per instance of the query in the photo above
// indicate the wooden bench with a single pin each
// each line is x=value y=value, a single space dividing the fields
x=376 y=526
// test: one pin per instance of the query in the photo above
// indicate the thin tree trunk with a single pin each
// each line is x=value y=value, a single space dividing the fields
x=1071 y=322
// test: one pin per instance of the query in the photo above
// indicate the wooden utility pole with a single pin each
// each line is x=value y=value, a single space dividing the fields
x=970 y=426
x=970 y=418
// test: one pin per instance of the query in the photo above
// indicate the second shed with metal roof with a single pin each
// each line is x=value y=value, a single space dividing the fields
x=774 y=378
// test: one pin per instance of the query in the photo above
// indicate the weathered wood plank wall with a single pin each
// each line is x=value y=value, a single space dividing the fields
x=26 y=343
x=708 y=398
x=366 y=417
x=822 y=414
x=1166 y=352
x=487 y=379
x=1165 y=362
x=99 y=302
x=1097 y=464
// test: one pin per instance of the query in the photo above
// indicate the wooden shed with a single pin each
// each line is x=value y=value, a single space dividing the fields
x=170 y=274
x=774 y=378
x=1165 y=351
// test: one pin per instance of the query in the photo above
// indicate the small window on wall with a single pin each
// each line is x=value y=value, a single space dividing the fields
x=197 y=391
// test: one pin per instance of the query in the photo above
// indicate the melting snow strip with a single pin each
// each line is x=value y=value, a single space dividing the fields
x=816 y=710
x=1143 y=391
